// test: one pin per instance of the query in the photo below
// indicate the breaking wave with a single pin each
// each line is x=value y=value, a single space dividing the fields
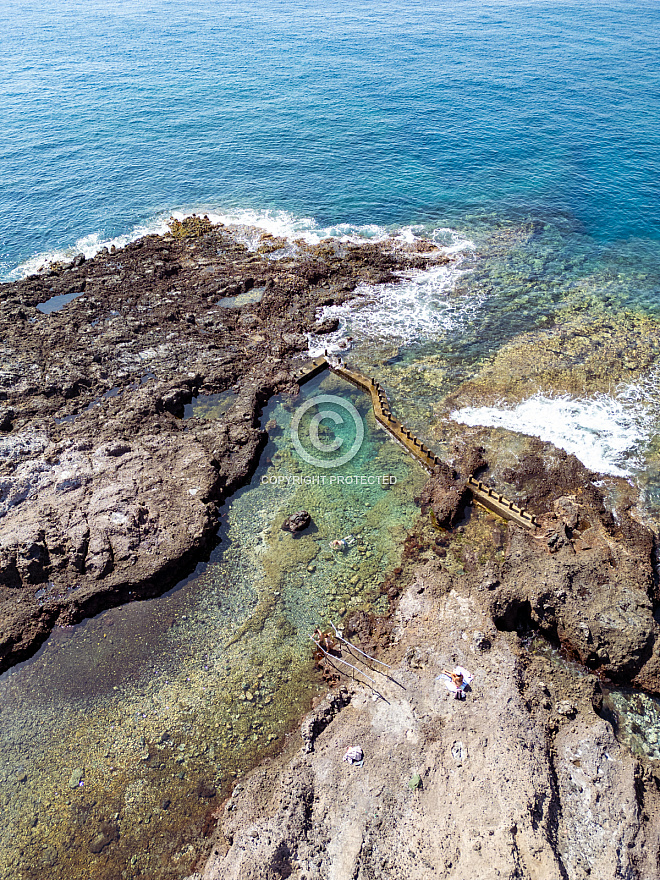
x=281 y=224
x=608 y=434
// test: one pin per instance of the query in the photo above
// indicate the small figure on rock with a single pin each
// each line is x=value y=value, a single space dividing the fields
x=297 y=522
x=326 y=641
x=457 y=681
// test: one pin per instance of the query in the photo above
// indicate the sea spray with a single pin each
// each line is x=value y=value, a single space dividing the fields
x=607 y=433
x=248 y=225
x=420 y=306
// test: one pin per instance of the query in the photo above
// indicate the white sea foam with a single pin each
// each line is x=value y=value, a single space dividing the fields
x=606 y=433
x=89 y=245
x=417 y=307
x=281 y=224
x=278 y=223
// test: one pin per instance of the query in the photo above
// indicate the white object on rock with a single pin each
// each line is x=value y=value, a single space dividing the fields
x=449 y=683
x=354 y=755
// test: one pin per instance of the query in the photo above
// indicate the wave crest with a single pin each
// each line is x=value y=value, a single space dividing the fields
x=243 y=222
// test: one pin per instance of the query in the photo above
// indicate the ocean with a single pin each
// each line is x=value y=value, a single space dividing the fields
x=521 y=136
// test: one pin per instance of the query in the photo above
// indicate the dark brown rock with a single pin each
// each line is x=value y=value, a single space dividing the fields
x=585 y=578
x=6 y=416
x=469 y=459
x=297 y=522
x=446 y=495
x=205 y=790
x=108 y=833
x=105 y=494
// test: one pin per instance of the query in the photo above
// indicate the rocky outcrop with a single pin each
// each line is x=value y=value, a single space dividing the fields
x=297 y=522
x=446 y=494
x=588 y=578
x=106 y=494
x=523 y=779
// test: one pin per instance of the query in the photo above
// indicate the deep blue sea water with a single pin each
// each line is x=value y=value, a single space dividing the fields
x=522 y=135
x=465 y=121
x=113 y=113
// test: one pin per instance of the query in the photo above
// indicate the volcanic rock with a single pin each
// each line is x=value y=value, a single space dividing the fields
x=530 y=777
x=527 y=791
x=106 y=495
x=108 y=832
x=446 y=494
x=297 y=522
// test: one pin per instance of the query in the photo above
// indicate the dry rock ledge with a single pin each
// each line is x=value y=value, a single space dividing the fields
x=523 y=779
x=106 y=494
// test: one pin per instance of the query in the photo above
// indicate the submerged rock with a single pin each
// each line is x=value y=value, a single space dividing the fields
x=76 y=778
x=297 y=522
x=581 y=355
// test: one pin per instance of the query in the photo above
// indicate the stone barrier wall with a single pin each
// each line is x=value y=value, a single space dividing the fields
x=484 y=495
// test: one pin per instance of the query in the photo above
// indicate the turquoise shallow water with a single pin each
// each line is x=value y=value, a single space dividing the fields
x=171 y=700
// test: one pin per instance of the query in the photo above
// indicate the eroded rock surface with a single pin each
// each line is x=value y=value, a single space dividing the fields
x=446 y=495
x=105 y=492
x=588 y=577
x=520 y=780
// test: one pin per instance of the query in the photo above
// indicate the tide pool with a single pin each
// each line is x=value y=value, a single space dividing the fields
x=142 y=718
x=523 y=137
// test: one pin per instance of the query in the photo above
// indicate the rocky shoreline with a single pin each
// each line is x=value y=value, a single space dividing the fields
x=106 y=494
x=525 y=778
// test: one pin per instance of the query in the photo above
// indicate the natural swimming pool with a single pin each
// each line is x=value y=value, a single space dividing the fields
x=130 y=726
